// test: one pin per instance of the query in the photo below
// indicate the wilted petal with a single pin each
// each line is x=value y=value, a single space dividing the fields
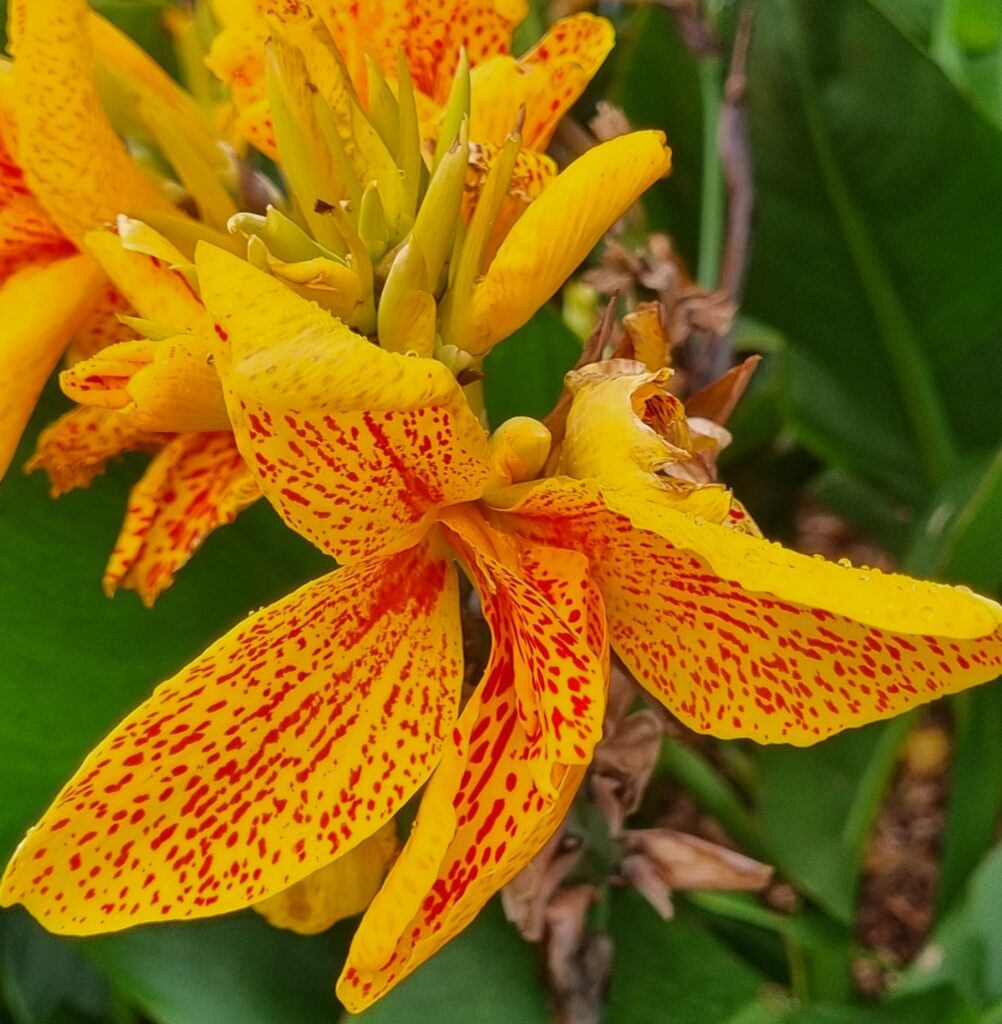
x=197 y=483
x=741 y=637
x=77 y=447
x=358 y=448
x=291 y=740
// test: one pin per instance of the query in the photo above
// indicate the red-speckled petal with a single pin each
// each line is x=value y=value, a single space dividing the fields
x=536 y=601
x=292 y=739
x=741 y=637
x=546 y=82
x=196 y=484
x=72 y=159
x=77 y=447
x=484 y=815
x=358 y=448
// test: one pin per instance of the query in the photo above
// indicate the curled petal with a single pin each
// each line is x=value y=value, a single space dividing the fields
x=168 y=386
x=546 y=82
x=545 y=246
x=77 y=447
x=197 y=483
x=482 y=819
x=41 y=307
x=627 y=431
x=358 y=448
x=287 y=743
x=741 y=637
x=341 y=889
x=73 y=161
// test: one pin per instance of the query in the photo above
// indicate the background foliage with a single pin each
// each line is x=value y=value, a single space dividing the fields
x=876 y=134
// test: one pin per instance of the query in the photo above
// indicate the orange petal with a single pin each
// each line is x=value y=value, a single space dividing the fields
x=41 y=307
x=73 y=161
x=358 y=448
x=197 y=483
x=77 y=447
x=291 y=740
x=483 y=816
x=547 y=81
x=740 y=637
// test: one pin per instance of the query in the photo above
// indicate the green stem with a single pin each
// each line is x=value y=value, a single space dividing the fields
x=712 y=199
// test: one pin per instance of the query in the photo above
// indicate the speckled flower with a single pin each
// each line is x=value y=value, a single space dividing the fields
x=295 y=739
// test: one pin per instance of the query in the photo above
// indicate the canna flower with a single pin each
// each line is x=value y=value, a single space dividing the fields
x=295 y=739
x=73 y=178
x=51 y=291
x=391 y=239
x=433 y=39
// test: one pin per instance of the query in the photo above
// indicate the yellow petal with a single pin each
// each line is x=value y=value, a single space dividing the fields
x=196 y=484
x=484 y=815
x=72 y=159
x=77 y=447
x=546 y=81
x=41 y=307
x=166 y=386
x=288 y=742
x=741 y=637
x=558 y=231
x=343 y=888
x=357 y=448
x=153 y=290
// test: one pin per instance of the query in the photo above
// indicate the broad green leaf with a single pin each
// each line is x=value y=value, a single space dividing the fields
x=674 y=970
x=940 y=1006
x=486 y=975
x=877 y=242
x=235 y=969
x=75 y=662
x=525 y=373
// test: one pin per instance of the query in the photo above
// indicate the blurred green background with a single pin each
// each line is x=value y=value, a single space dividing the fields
x=875 y=290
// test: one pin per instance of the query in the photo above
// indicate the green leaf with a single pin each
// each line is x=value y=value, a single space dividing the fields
x=525 y=373
x=75 y=662
x=941 y=1006
x=876 y=242
x=655 y=80
x=486 y=975
x=674 y=970
x=45 y=979
x=966 y=948
x=229 y=970
x=817 y=805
